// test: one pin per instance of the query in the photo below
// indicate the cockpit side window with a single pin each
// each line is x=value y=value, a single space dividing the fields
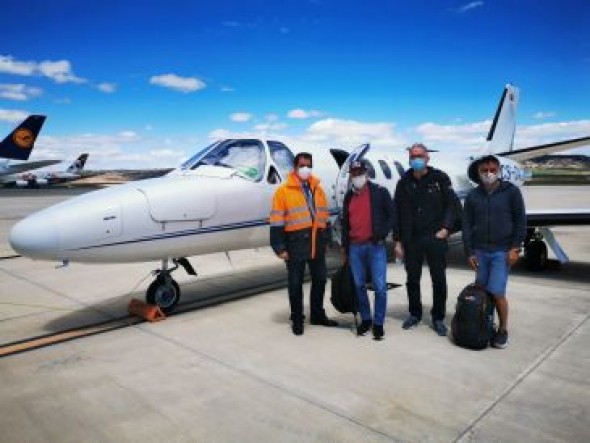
x=282 y=156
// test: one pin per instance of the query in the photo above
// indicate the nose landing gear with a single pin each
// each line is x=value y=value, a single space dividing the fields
x=164 y=291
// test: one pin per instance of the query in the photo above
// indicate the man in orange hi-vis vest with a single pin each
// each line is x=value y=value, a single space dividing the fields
x=299 y=234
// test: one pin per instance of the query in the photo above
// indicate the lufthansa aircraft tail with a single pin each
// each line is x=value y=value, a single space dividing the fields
x=20 y=142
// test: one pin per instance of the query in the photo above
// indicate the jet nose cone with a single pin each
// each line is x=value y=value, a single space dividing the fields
x=35 y=238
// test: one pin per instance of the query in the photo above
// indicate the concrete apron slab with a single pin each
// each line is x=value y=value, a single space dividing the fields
x=234 y=372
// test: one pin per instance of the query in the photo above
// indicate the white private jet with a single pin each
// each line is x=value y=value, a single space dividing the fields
x=18 y=145
x=42 y=178
x=219 y=200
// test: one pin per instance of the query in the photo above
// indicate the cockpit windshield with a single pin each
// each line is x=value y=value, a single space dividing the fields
x=246 y=157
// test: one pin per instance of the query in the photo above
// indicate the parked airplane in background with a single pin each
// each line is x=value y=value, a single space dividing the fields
x=41 y=178
x=18 y=145
x=219 y=200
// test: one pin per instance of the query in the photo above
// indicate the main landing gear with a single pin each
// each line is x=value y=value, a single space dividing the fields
x=535 y=250
x=164 y=291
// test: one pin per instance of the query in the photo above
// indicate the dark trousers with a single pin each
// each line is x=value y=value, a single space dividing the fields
x=317 y=270
x=435 y=252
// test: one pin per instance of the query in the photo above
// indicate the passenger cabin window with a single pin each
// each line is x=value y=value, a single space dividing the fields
x=386 y=169
x=399 y=168
x=282 y=156
x=371 y=169
x=246 y=157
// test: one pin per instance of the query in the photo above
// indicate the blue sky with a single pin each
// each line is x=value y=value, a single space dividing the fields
x=147 y=83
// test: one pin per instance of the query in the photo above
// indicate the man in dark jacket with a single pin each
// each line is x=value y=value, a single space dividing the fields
x=494 y=227
x=367 y=220
x=423 y=199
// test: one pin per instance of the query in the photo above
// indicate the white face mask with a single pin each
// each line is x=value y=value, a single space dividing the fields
x=488 y=178
x=359 y=181
x=304 y=172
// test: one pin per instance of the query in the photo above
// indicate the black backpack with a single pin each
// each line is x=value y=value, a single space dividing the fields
x=343 y=296
x=472 y=324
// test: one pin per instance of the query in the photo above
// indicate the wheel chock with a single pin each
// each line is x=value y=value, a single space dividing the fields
x=151 y=313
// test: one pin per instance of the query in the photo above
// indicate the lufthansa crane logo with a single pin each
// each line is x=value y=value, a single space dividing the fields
x=23 y=138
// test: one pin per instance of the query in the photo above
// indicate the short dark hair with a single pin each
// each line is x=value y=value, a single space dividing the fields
x=488 y=159
x=305 y=155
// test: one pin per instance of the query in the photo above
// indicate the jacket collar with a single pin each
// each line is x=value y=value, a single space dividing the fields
x=294 y=182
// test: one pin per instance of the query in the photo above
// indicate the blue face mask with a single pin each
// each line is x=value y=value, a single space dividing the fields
x=417 y=164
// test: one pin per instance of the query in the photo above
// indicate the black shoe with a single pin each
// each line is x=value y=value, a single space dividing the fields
x=439 y=327
x=410 y=322
x=297 y=328
x=364 y=327
x=378 y=332
x=324 y=322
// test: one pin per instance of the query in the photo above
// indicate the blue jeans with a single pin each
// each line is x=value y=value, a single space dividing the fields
x=492 y=272
x=363 y=257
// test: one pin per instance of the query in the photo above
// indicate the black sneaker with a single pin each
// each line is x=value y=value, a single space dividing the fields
x=500 y=340
x=364 y=327
x=439 y=327
x=378 y=332
x=410 y=322
x=297 y=328
x=324 y=322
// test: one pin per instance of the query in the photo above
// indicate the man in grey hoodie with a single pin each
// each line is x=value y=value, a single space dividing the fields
x=494 y=227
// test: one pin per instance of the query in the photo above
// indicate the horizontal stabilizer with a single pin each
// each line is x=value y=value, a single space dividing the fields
x=536 y=151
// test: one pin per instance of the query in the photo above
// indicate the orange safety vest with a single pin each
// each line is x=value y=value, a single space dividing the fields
x=291 y=211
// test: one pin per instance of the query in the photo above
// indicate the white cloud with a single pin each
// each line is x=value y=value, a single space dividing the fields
x=109 y=88
x=19 y=92
x=543 y=115
x=301 y=113
x=13 y=115
x=182 y=84
x=466 y=134
x=470 y=6
x=269 y=127
x=227 y=89
x=59 y=71
x=11 y=66
x=240 y=117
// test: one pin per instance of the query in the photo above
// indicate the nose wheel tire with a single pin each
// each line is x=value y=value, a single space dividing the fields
x=164 y=292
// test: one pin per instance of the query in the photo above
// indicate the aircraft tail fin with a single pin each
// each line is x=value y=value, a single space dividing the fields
x=501 y=135
x=78 y=165
x=19 y=144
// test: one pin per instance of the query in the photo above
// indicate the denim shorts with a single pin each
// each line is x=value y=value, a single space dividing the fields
x=492 y=271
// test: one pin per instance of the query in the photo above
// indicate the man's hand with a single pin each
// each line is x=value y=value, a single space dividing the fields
x=442 y=234
x=284 y=255
x=472 y=261
x=513 y=256
x=398 y=250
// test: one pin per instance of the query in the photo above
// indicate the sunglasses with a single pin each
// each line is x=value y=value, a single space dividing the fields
x=488 y=170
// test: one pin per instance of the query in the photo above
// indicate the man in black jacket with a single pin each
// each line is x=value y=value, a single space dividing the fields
x=494 y=227
x=423 y=199
x=368 y=217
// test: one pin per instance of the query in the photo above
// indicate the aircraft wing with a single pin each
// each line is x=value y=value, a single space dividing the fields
x=536 y=151
x=558 y=217
x=27 y=166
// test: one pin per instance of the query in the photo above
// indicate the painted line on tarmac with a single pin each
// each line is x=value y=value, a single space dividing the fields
x=466 y=434
x=38 y=342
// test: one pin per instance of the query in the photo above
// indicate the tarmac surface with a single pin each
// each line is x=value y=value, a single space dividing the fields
x=232 y=371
